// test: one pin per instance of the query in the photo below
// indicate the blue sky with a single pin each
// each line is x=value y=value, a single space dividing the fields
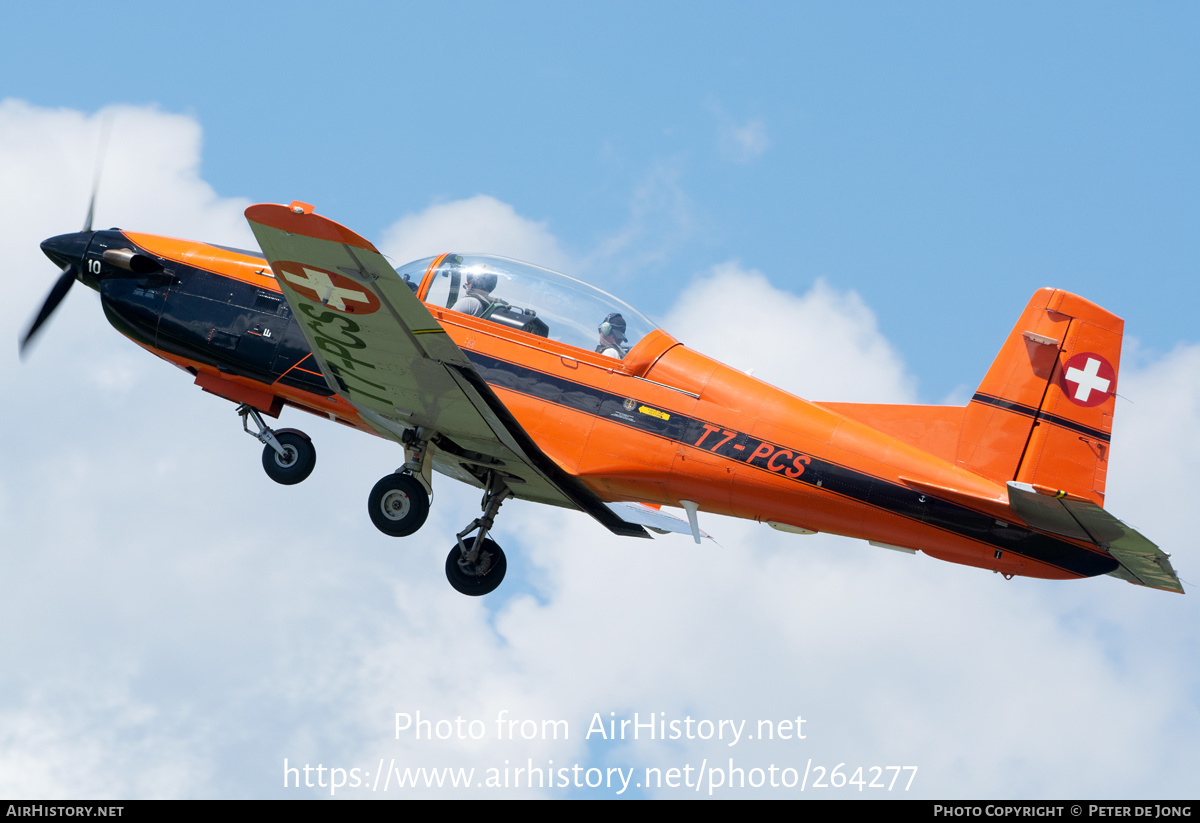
x=905 y=152
x=856 y=201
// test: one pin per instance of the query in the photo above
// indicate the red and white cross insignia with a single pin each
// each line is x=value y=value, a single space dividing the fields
x=1089 y=379
x=329 y=288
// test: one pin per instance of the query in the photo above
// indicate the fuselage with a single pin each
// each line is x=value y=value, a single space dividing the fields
x=662 y=425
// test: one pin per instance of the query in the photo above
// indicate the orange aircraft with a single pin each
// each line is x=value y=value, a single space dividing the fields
x=530 y=384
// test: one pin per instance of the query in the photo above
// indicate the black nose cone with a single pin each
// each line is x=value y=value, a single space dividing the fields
x=67 y=249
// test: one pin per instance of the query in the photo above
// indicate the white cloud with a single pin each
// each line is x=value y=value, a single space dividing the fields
x=477 y=224
x=746 y=141
x=823 y=345
x=1157 y=408
x=150 y=175
x=740 y=141
x=178 y=625
x=660 y=220
x=150 y=180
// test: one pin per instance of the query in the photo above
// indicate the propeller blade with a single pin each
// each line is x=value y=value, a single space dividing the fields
x=57 y=293
x=72 y=247
x=87 y=224
x=105 y=128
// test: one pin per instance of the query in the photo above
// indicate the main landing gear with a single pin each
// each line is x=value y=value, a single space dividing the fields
x=288 y=454
x=399 y=505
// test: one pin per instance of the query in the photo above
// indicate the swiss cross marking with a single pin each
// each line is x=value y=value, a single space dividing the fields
x=319 y=282
x=329 y=289
x=1089 y=379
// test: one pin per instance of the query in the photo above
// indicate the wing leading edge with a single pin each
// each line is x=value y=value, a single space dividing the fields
x=380 y=348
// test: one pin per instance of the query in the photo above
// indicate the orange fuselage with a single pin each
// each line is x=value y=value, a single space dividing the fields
x=667 y=424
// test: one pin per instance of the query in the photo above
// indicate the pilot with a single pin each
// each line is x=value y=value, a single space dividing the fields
x=612 y=336
x=478 y=295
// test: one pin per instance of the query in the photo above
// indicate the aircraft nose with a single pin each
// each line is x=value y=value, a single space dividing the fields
x=67 y=249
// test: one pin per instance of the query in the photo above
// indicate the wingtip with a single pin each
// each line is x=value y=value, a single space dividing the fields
x=299 y=218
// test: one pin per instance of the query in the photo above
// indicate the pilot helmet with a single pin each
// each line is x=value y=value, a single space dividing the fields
x=613 y=325
x=483 y=281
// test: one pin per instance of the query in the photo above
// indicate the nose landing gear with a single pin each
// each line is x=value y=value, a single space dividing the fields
x=480 y=576
x=288 y=454
x=476 y=565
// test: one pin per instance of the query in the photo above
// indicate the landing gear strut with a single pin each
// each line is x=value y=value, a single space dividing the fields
x=476 y=565
x=288 y=454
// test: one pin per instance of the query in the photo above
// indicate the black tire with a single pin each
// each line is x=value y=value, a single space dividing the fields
x=465 y=581
x=398 y=505
x=296 y=465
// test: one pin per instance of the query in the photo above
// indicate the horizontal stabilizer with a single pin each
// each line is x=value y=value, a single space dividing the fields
x=1045 y=512
x=1141 y=561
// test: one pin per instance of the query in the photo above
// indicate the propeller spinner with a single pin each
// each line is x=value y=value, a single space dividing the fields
x=67 y=250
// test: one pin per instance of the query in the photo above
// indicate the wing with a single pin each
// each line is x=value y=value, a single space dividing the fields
x=380 y=349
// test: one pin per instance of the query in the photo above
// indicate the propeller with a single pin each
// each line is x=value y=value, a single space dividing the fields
x=67 y=250
x=57 y=293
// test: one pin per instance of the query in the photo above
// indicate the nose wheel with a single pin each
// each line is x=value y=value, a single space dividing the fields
x=476 y=565
x=481 y=575
x=295 y=463
x=289 y=456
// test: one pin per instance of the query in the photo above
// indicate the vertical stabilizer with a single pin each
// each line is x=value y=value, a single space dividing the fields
x=1043 y=414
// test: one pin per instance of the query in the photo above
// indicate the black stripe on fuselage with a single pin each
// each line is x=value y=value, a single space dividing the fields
x=792 y=464
x=736 y=446
x=1036 y=414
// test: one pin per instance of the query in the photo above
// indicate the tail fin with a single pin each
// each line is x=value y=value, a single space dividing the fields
x=1043 y=414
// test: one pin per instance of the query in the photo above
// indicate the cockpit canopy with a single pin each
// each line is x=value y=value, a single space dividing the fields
x=531 y=299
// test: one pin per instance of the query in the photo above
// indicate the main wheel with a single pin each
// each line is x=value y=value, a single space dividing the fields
x=481 y=577
x=398 y=505
x=297 y=461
